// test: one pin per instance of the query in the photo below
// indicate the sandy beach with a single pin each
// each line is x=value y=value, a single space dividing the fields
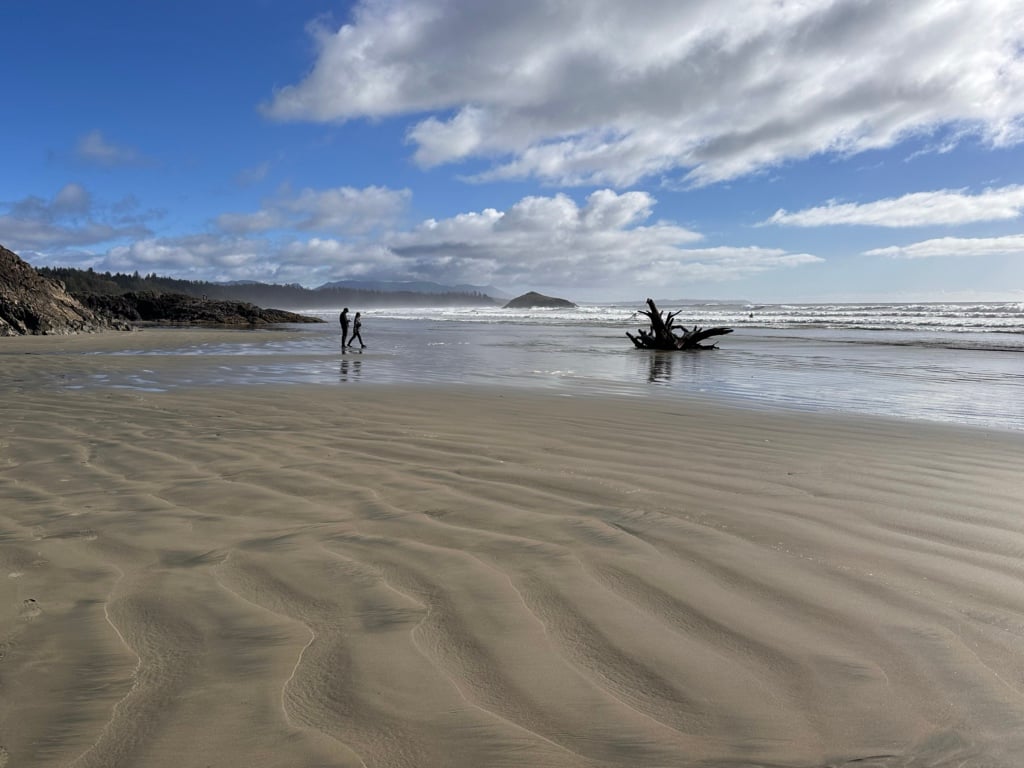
x=410 y=576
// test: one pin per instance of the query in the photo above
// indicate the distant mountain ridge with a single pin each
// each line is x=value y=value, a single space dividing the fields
x=415 y=286
x=295 y=297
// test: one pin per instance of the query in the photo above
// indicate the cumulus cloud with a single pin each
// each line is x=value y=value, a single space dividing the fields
x=1011 y=245
x=553 y=241
x=69 y=219
x=198 y=257
x=607 y=243
x=319 y=260
x=93 y=148
x=221 y=257
x=604 y=92
x=942 y=207
x=339 y=211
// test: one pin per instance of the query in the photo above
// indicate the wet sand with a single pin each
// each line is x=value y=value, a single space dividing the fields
x=404 y=576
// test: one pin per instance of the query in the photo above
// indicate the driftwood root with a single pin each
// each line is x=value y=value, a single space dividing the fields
x=663 y=332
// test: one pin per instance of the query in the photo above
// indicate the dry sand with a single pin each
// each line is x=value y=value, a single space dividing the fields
x=343 y=576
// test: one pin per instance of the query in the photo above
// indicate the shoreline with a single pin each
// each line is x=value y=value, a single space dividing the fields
x=745 y=375
x=473 y=576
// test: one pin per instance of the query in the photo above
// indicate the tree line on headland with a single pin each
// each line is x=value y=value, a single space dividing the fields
x=61 y=300
x=86 y=282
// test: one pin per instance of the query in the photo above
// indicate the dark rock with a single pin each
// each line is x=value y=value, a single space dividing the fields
x=534 y=299
x=31 y=304
x=179 y=309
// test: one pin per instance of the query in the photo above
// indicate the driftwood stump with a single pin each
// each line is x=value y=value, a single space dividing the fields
x=662 y=333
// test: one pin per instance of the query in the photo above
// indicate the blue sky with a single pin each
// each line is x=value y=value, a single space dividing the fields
x=592 y=149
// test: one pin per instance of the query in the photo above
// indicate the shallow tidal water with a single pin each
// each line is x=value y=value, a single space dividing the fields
x=888 y=373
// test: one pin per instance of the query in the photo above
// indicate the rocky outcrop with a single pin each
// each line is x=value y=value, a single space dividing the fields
x=534 y=299
x=179 y=309
x=31 y=304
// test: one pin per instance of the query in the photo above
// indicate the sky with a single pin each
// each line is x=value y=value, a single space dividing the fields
x=597 y=150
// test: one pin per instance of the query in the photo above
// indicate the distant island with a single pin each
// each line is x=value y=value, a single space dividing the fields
x=534 y=299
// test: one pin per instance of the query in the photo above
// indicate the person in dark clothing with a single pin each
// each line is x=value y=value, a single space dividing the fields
x=343 y=319
x=357 y=325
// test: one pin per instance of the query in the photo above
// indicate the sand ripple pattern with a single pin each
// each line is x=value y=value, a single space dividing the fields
x=404 y=579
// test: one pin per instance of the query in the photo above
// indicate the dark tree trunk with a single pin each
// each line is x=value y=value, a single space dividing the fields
x=662 y=334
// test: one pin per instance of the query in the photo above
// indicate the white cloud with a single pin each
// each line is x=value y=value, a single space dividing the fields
x=320 y=260
x=606 y=244
x=216 y=257
x=196 y=257
x=551 y=241
x=1011 y=245
x=605 y=92
x=942 y=207
x=339 y=211
x=94 y=148
x=69 y=219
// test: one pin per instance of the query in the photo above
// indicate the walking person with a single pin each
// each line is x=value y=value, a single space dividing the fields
x=343 y=319
x=357 y=326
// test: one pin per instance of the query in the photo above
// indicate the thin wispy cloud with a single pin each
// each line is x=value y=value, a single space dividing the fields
x=254 y=175
x=942 y=207
x=69 y=219
x=339 y=211
x=601 y=92
x=1010 y=245
x=95 y=149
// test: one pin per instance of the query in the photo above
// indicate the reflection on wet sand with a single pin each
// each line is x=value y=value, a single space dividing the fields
x=661 y=367
x=349 y=368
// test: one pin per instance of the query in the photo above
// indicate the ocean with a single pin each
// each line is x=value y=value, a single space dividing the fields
x=952 y=362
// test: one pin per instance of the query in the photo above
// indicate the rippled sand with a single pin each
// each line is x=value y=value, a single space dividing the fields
x=330 y=576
